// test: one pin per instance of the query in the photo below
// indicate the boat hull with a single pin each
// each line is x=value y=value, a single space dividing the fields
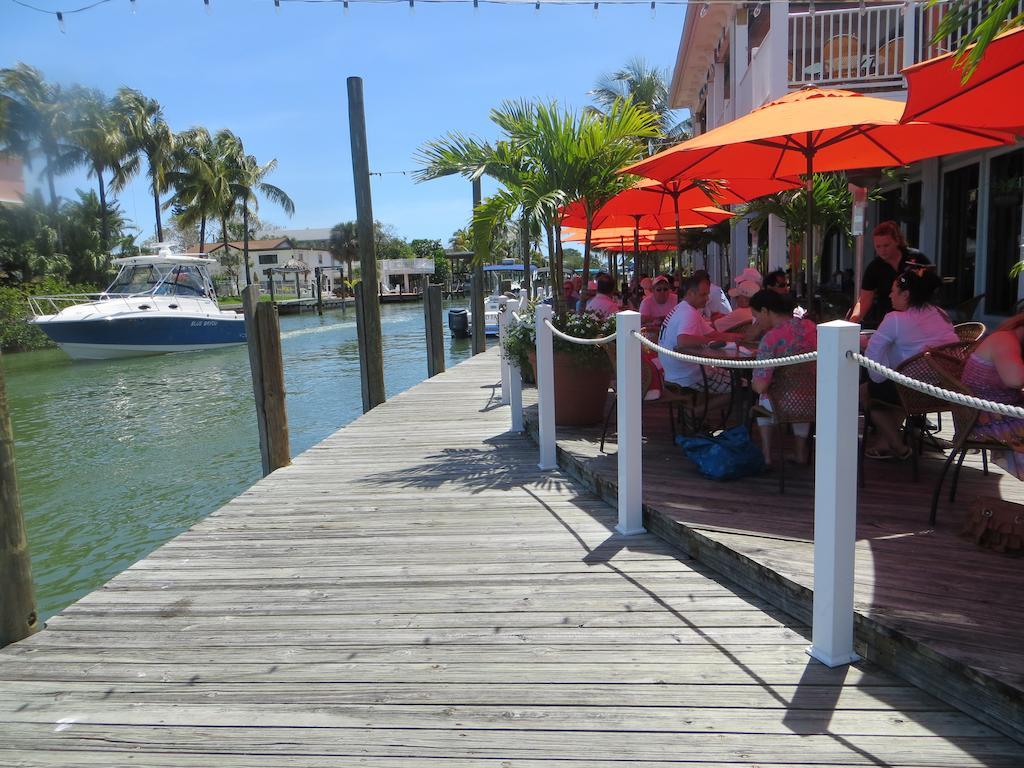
x=113 y=337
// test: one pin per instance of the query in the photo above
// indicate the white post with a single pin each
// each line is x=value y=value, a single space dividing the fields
x=628 y=405
x=545 y=389
x=835 y=494
x=503 y=320
x=910 y=33
x=515 y=399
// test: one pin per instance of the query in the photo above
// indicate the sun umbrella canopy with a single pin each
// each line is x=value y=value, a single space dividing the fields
x=658 y=202
x=991 y=98
x=703 y=217
x=812 y=130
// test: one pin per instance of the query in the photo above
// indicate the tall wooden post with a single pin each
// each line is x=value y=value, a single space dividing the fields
x=318 y=274
x=371 y=352
x=263 y=334
x=477 y=287
x=18 y=617
x=434 y=331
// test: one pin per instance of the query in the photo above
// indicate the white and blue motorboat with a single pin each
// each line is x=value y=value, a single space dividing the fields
x=505 y=280
x=156 y=304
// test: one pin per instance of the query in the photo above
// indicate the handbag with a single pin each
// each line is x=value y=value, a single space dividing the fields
x=727 y=456
x=996 y=524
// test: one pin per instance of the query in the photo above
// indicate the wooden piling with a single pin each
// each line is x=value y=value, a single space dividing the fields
x=263 y=333
x=477 y=286
x=18 y=618
x=371 y=352
x=318 y=272
x=434 y=329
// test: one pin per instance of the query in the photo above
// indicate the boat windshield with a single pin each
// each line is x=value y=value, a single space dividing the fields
x=141 y=278
x=185 y=280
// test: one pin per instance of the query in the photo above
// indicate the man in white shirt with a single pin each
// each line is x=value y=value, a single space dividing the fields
x=659 y=305
x=717 y=304
x=603 y=303
x=687 y=330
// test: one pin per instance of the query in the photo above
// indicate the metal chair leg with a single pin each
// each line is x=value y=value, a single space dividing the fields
x=984 y=461
x=938 y=487
x=956 y=474
x=608 y=421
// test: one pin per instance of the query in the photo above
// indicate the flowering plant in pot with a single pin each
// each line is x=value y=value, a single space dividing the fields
x=582 y=371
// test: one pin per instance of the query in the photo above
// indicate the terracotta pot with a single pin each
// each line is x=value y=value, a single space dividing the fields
x=581 y=394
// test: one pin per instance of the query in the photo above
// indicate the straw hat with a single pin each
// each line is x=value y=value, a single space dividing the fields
x=748 y=275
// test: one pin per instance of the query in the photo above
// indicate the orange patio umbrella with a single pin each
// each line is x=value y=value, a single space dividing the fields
x=808 y=131
x=991 y=97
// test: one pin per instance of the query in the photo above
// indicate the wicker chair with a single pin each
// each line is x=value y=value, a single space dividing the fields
x=964 y=311
x=970 y=331
x=914 y=406
x=841 y=56
x=792 y=394
x=889 y=58
x=949 y=369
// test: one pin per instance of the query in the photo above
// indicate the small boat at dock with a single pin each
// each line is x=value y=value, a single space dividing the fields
x=163 y=302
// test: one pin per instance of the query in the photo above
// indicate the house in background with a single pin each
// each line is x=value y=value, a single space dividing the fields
x=964 y=211
x=270 y=253
x=12 y=180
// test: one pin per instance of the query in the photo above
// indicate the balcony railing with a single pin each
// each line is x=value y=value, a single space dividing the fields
x=864 y=46
x=852 y=46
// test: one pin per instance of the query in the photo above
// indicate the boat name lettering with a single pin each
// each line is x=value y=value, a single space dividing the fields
x=203 y=323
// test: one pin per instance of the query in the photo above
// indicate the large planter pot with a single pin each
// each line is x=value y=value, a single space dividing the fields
x=580 y=393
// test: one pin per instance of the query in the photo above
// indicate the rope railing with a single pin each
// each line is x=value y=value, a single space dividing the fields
x=575 y=340
x=938 y=392
x=720 y=362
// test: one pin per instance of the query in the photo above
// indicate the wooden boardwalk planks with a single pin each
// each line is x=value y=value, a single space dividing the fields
x=414 y=592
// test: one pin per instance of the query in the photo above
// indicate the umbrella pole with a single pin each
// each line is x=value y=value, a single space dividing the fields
x=809 y=241
x=636 y=246
x=679 y=234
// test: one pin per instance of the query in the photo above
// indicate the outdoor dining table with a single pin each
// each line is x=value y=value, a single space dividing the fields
x=741 y=395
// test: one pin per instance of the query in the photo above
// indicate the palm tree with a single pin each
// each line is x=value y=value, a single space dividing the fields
x=647 y=86
x=36 y=120
x=99 y=142
x=193 y=178
x=993 y=17
x=344 y=244
x=150 y=135
x=247 y=181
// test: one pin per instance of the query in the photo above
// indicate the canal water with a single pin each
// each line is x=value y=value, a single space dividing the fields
x=115 y=458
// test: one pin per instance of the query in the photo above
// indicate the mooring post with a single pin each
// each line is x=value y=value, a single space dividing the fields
x=835 y=494
x=434 y=329
x=318 y=274
x=18 y=618
x=503 y=320
x=250 y=299
x=476 y=285
x=371 y=352
x=630 y=439
x=545 y=389
x=263 y=334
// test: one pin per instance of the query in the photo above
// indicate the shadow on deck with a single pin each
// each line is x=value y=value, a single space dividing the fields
x=931 y=607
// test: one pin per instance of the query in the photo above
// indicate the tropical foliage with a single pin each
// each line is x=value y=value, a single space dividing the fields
x=521 y=338
x=198 y=176
x=974 y=23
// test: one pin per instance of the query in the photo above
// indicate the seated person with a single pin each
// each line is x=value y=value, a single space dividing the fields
x=656 y=307
x=686 y=330
x=914 y=325
x=778 y=281
x=604 y=302
x=570 y=294
x=741 y=313
x=995 y=371
x=786 y=335
x=718 y=304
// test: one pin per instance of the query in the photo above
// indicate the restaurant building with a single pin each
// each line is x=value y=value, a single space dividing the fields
x=964 y=211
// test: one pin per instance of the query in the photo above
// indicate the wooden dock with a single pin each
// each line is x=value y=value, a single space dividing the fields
x=414 y=592
x=931 y=606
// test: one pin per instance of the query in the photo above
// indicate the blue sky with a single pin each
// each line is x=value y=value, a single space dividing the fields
x=278 y=80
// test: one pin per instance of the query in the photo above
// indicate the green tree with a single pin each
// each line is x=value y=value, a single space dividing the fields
x=28 y=242
x=572 y=258
x=646 y=86
x=344 y=244
x=99 y=142
x=433 y=250
x=198 y=179
x=149 y=135
x=89 y=250
x=248 y=180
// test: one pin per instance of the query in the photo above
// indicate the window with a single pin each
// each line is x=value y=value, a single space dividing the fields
x=268 y=258
x=1005 y=192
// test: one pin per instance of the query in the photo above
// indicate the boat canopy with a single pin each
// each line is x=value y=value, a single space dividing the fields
x=161 y=258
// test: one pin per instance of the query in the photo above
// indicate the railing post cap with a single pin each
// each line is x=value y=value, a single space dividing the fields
x=839 y=324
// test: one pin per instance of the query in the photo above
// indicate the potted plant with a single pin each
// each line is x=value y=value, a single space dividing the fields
x=582 y=371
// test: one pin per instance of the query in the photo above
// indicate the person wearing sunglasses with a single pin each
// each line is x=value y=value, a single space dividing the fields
x=656 y=307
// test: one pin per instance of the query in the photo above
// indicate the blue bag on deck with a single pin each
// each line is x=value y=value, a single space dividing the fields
x=727 y=456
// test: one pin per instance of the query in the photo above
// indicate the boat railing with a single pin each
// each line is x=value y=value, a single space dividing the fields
x=51 y=305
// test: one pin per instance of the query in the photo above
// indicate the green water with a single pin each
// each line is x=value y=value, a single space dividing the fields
x=115 y=458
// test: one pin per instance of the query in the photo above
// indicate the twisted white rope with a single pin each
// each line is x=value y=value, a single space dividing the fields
x=574 y=340
x=774 y=362
x=517 y=317
x=942 y=394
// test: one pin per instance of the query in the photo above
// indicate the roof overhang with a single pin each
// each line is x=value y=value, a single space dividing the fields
x=696 y=52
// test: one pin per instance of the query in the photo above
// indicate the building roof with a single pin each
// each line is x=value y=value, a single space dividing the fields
x=12 y=180
x=303 y=235
x=696 y=53
x=274 y=244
